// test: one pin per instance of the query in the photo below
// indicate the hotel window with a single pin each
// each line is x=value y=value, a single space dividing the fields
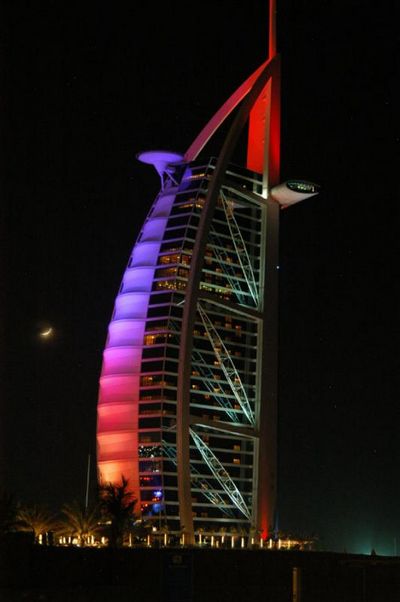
x=149 y=437
x=153 y=339
x=169 y=258
x=145 y=423
x=165 y=284
x=150 y=408
x=150 y=466
x=150 y=481
x=165 y=272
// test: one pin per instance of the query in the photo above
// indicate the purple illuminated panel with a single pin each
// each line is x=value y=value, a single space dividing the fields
x=117 y=414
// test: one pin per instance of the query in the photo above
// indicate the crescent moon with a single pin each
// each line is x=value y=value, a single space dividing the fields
x=46 y=333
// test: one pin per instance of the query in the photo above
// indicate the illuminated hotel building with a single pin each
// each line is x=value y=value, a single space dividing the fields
x=188 y=389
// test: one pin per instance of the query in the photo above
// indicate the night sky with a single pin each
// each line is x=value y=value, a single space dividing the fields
x=86 y=86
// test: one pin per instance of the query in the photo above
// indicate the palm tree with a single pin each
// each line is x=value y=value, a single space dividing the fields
x=35 y=519
x=117 y=503
x=80 y=522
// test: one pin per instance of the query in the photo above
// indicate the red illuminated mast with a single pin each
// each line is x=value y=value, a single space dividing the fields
x=263 y=148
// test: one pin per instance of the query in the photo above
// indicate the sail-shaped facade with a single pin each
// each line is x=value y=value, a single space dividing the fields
x=188 y=390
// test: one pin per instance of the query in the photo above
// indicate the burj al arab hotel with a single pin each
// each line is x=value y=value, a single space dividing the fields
x=187 y=407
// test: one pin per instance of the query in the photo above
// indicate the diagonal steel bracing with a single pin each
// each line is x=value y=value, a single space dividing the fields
x=220 y=474
x=240 y=248
x=206 y=488
x=228 y=270
x=202 y=367
x=227 y=365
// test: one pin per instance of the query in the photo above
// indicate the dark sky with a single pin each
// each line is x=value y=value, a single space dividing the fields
x=85 y=86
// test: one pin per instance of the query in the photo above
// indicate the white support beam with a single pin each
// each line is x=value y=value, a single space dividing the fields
x=202 y=367
x=240 y=248
x=227 y=365
x=206 y=488
x=228 y=270
x=220 y=474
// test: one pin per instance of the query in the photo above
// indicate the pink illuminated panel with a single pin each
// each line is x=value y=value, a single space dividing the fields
x=121 y=360
x=117 y=413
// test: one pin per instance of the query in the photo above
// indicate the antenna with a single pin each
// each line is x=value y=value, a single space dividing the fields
x=87 y=483
x=272 y=29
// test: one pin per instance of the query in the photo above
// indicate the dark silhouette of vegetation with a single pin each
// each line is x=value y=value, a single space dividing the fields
x=117 y=505
x=35 y=519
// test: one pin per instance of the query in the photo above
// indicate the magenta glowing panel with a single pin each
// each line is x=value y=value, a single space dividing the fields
x=117 y=412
